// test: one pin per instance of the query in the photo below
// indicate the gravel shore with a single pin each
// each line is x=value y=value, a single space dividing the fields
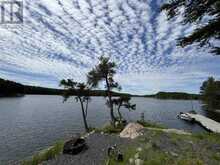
x=96 y=153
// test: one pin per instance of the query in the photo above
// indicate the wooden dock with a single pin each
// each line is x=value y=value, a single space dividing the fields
x=208 y=123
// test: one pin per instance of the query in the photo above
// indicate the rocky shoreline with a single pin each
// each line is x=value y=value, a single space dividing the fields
x=96 y=154
x=149 y=146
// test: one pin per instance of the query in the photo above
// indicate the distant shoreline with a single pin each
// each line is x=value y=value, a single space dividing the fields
x=14 y=89
x=134 y=96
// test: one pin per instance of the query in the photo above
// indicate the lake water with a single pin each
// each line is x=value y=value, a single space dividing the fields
x=31 y=123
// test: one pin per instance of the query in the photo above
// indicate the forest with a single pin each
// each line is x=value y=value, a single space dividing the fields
x=10 y=88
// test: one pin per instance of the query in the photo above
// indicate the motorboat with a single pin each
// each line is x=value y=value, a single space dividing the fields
x=184 y=116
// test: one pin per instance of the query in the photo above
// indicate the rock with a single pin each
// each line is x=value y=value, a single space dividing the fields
x=117 y=123
x=131 y=161
x=139 y=149
x=139 y=162
x=148 y=146
x=132 y=130
x=215 y=147
x=174 y=154
x=92 y=132
x=136 y=156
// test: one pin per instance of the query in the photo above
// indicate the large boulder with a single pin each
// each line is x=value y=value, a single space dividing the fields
x=132 y=130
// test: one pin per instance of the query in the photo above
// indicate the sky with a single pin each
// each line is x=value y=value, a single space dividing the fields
x=62 y=39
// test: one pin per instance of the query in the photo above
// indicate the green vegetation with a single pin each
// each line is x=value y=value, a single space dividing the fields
x=80 y=89
x=104 y=72
x=45 y=155
x=177 y=95
x=158 y=147
x=110 y=129
x=123 y=101
x=204 y=14
x=10 y=88
x=150 y=124
x=210 y=91
x=210 y=137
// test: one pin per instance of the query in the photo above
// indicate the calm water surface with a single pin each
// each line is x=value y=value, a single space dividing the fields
x=31 y=123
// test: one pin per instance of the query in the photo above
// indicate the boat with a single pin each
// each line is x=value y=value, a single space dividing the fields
x=184 y=116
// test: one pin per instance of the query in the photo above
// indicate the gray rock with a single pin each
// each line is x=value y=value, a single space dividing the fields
x=132 y=130
x=174 y=154
x=136 y=156
x=139 y=162
x=95 y=155
x=139 y=149
x=215 y=147
x=131 y=161
x=148 y=146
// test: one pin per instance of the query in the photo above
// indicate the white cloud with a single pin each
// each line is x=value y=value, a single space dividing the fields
x=68 y=42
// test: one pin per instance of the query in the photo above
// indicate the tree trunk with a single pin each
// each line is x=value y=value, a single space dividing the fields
x=110 y=101
x=119 y=113
x=84 y=115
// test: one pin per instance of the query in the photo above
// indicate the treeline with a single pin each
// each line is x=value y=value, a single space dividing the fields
x=177 y=95
x=10 y=88
x=210 y=91
x=41 y=90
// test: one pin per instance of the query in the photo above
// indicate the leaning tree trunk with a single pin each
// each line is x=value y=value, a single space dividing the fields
x=110 y=102
x=84 y=116
x=119 y=113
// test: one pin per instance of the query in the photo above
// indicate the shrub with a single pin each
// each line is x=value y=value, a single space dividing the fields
x=150 y=124
x=45 y=155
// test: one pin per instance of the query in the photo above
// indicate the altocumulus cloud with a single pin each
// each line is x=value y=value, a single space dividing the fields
x=63 y=39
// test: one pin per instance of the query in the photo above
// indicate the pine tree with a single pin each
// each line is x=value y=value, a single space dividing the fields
x=205 y=14
x=105 y=72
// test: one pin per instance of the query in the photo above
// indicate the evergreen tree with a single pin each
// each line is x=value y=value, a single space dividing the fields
x=79 y=89
x=105 y=72
x=123 y=101
x=210 y=91
x=205 y=14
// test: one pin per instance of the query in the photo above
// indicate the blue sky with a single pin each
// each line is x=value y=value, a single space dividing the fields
x=63 y=39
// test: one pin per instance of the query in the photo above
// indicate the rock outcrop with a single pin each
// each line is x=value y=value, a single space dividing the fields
x=132 y=130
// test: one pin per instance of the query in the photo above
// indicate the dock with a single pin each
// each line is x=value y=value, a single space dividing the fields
x=207 y=123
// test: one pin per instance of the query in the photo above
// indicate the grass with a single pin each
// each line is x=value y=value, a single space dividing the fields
x=216 y=156
x=154 y=156
x=149 y=155
x=129 y=153
x=210 y=137
x=45 y=155
x=151 y=124
x=182 y=155
x=190 y=162
x=110 y=129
